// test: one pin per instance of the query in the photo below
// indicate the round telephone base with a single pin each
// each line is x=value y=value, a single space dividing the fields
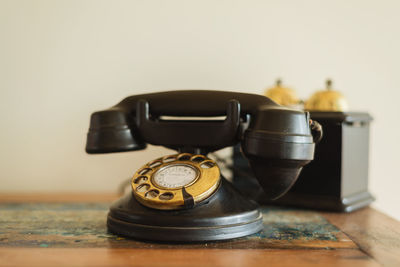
x=225 y=215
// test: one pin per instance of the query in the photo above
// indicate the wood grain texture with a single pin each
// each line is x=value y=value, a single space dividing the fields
x=83 y=225
x=56 y=198
x=376 y=242
x=377 y=234
x=101 y=257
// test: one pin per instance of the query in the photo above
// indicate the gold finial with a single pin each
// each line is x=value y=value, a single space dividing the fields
x=282 y=95
x=327 y=100
x=328 y=84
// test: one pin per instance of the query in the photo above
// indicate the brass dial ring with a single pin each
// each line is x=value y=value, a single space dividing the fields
x=176 y=181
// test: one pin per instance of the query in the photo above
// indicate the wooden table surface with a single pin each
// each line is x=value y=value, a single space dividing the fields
x=364 y=238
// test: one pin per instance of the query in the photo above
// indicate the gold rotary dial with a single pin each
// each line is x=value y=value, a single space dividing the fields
x=176 y=181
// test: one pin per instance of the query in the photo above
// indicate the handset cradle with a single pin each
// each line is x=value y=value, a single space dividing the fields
x=205 y=135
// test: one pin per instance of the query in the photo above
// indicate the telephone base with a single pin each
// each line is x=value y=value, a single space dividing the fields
x=226 y=215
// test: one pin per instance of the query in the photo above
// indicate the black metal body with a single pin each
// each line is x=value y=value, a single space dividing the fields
x=225 y=215
x=337 y=178
x=276 y=141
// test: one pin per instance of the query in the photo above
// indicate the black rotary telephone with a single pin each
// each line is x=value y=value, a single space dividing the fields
x=182 y=197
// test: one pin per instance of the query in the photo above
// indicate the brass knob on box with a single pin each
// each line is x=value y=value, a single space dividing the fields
x=326 y=100
x=282 y=95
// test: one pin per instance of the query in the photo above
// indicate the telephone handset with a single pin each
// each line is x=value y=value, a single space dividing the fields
x=183 y=197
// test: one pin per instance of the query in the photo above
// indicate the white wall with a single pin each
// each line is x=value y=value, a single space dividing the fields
x=62 y=60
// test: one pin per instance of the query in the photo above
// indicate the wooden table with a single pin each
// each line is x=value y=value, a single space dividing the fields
x=363 y=238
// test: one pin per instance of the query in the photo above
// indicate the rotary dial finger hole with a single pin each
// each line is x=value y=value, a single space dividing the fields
x=152 y=194
x=184 y=157
x=140 y=180
x=207 y=165
x=144 y=171
x=166 y=196
x=155 y=164
x=198 y=159
x=169 y=159
x=143 y=188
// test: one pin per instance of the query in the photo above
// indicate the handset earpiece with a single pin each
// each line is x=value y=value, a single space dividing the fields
x=113 y=130
x=278 y=143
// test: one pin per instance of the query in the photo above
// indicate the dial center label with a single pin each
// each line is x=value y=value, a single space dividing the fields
x=175 y=176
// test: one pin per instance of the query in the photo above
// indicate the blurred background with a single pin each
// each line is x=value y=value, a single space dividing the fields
x=62 y=60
